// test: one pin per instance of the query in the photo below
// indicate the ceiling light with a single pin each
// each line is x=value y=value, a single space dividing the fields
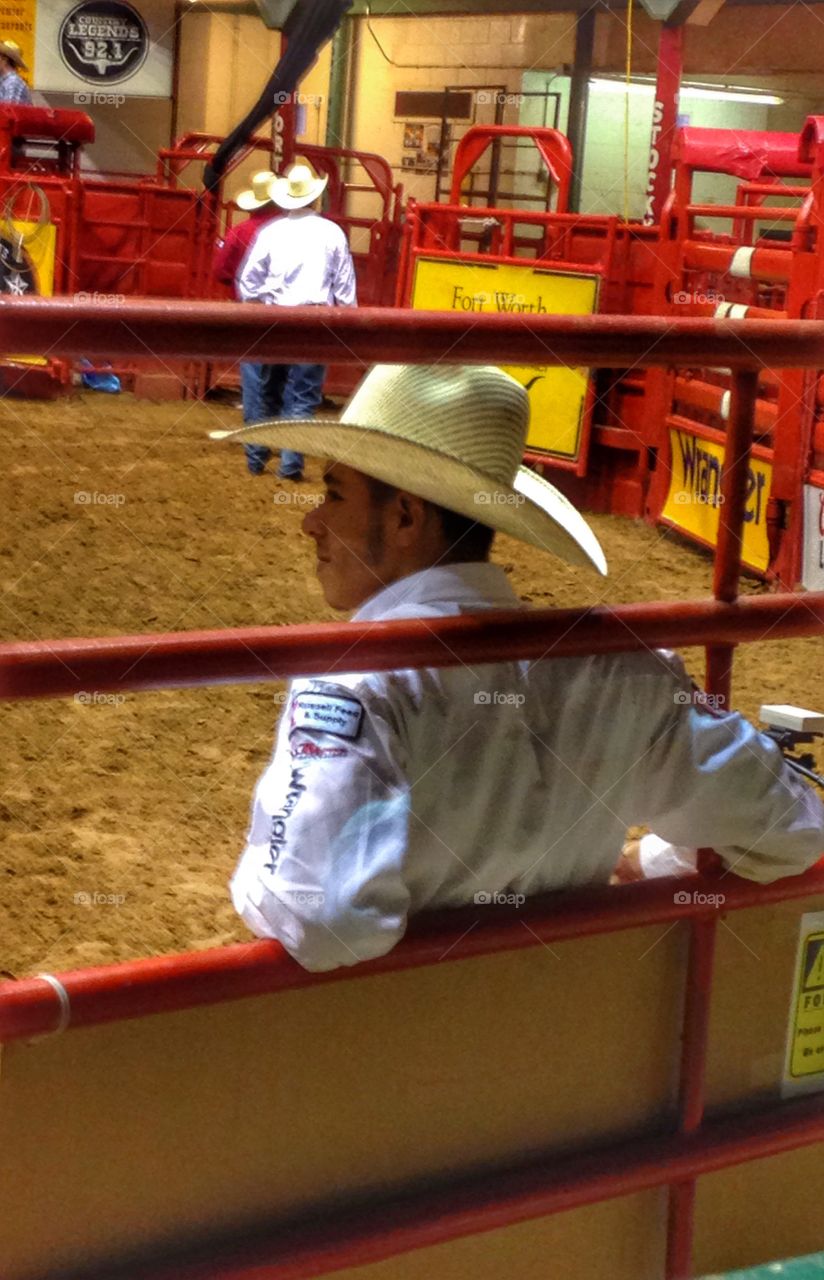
x=732 y=93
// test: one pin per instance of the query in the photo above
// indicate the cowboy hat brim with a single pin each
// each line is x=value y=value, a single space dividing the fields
x=247 y=201
x=531 y=509
x=279 y=193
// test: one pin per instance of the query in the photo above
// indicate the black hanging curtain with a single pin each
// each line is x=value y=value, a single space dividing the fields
x=310 y=25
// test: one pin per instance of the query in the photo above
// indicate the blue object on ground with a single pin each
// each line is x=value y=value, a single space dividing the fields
x=98 y=381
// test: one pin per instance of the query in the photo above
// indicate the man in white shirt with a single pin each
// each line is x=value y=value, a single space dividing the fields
x=393 y=792
x=297 y=261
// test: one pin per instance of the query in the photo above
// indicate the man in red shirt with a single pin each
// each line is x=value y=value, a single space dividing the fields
x=230 y=252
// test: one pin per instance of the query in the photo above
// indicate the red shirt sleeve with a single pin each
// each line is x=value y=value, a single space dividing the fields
x=229 y=254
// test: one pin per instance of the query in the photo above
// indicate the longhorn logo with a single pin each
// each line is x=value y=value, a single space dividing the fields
x=103 y=41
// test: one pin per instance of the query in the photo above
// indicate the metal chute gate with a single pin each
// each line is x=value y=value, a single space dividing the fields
x=616 y=440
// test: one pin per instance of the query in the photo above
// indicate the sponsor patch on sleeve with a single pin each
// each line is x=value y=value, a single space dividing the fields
x=327 y=714
x=311 y=751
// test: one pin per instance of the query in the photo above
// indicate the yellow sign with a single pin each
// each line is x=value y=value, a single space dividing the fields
x=805 y=1048
x=557 y=395
x=694 y=498
x=17 y=23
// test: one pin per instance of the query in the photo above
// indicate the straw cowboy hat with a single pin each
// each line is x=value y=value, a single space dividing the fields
x=298 y=186
x=452 y=435
x=11 y=49
x=256 y=196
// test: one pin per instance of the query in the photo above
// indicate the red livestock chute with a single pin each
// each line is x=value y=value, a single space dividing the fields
x=764 y=261
x=621 y=441
x=653 y=444
x=103 y=237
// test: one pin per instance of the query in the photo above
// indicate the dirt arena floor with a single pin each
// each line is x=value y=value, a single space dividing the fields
x=121 y=516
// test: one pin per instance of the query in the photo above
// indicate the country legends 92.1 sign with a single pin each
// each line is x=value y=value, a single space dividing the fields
x=557 y=395
x=98 y=45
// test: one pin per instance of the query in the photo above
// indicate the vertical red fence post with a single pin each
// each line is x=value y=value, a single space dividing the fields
x=703 y=931
x=664 y=119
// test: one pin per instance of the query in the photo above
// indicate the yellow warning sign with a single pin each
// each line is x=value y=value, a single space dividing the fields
x=805 y=1048
x=557 y=395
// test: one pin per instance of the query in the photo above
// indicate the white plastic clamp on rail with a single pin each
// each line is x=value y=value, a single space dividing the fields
x=730 y=311
x=65 y=1007
x=725 y=405
x=741 y=264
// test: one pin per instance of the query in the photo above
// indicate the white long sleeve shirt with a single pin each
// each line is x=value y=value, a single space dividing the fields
x=299 y=260
x=392 y=792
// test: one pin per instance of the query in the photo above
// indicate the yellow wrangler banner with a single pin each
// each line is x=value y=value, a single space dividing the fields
x=557 y=396
x=804 y=1070
x=695 y=497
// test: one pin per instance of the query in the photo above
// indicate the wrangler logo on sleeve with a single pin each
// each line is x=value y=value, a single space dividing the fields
x=325 y=713
x=277 y=838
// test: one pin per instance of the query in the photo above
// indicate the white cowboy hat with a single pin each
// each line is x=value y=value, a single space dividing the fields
x=298 y=186
x=450 y=434
x=256 y=196
x=11 y=49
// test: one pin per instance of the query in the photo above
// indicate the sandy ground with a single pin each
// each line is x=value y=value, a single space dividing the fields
x=122 y=517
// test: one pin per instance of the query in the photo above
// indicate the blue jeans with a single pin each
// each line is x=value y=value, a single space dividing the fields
x=279 y=391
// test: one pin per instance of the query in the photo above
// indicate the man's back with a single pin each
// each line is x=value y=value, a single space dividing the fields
x=392 y=792
x=302 y=259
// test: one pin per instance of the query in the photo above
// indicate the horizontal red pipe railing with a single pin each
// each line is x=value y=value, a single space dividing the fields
x=59 y=668
x=140 y=988
x=364 y=335
x=470 y=1205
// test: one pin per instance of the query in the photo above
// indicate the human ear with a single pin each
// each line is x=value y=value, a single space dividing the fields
x=410 y=517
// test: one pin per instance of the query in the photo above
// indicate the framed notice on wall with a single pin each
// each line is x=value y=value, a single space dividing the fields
x=103 y=46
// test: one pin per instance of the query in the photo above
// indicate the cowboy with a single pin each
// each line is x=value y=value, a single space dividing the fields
x=231 y=251
x=260 y=398
x=394 y=792
x=13 y=87
x=297 y=261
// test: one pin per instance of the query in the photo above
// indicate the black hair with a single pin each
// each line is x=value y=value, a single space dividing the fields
x=468 y=539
